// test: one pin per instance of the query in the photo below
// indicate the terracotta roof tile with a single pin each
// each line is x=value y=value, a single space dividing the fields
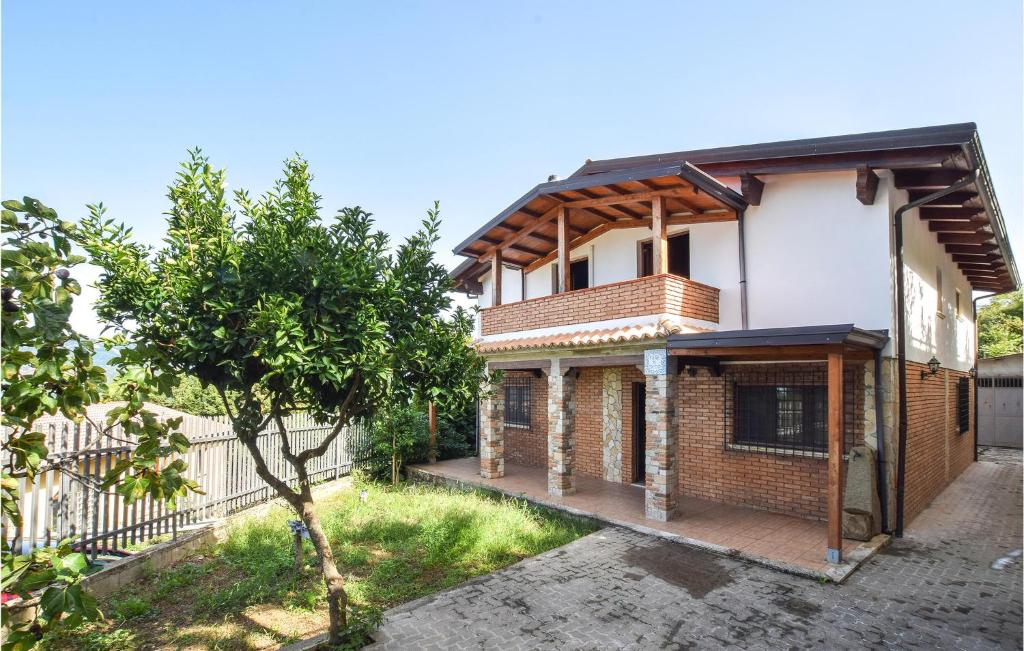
x=583 y=337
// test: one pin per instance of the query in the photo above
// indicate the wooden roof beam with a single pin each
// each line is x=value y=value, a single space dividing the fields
x=751 y=188
x=867 y=185
x=955 y=199
x=930 y=212
x=636 y=197
x=934 y=178
x=965 y=238
x=945 y=226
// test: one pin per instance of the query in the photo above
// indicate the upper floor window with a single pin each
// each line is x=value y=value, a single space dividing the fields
x=938 y=291
x=958 y=312
x=678 y=256
x=579 y=274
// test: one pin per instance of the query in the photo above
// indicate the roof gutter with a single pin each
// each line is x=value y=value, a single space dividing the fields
x=901 y=339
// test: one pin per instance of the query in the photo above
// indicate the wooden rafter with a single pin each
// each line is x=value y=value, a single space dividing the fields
x=751 y=188
x=867 y=185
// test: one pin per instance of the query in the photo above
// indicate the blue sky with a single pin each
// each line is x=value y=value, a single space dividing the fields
x=398 y=104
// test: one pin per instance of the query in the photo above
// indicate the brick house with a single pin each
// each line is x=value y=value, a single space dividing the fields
x=669 y=321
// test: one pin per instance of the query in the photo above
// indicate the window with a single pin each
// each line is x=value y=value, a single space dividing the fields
x=793 y=417
x=678 y=256
x=963 y=404
x=938 y=291
x=958 y=313
x=517 y=401
x=579 y=274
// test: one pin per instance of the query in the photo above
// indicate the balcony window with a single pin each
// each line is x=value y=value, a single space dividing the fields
x=678 y=256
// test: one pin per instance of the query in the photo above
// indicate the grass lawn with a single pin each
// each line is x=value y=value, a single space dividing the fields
x=400 y=544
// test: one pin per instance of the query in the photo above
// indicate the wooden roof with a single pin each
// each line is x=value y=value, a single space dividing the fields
x=526 y=232
x=969 y=224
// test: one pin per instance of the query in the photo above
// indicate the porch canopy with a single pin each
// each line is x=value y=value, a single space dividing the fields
x=555 y=217
x=833 y=343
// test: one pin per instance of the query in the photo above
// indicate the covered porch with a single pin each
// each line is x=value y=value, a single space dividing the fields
x=784 y=542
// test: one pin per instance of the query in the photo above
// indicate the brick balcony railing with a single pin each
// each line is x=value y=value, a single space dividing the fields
x=664 y=294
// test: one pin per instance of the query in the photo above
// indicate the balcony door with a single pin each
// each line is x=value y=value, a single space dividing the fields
x=678 y=256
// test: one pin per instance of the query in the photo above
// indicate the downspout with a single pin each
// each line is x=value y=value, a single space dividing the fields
x=901 y=340
x=743 y=271
x=883 y=481
x=977 y=354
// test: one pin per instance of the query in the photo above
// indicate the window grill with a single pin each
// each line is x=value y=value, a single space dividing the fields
x=517 y=400
x=1000 y=382
x=783 y=408
x=963 y=404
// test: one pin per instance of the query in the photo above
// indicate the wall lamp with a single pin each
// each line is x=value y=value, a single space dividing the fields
x=973 y=372
x=933 y=368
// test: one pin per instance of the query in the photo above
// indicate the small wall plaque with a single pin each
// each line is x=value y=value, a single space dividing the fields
x=655 y=361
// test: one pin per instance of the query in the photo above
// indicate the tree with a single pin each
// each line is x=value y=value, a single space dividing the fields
x=1000 y=325
x=48 y=368
x=268 y=300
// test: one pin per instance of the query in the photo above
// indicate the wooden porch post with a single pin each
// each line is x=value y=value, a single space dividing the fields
x=563 y=251
x=659 y=227
x=834 y=553
x=496 y=267
x=432 y=417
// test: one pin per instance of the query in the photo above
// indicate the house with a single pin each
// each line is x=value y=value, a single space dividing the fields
x=738 y=324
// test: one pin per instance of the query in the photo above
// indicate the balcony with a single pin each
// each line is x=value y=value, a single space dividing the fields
x=662 y=294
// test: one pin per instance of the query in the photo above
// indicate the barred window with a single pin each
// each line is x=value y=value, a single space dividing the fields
x=794 y=417
x=517 y=401
x=963 y=404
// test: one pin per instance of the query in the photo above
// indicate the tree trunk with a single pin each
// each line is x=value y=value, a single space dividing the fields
x=337 y=600
x=298 y=553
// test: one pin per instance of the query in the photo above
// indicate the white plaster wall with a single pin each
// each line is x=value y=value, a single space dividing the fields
x=932 y=332
x=816 y=255
x=713 y=261
x=511 y=286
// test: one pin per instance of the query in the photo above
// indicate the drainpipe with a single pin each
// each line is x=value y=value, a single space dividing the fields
x=974 y=314
x=883 y=476
x=743 y=271
x=901 y=340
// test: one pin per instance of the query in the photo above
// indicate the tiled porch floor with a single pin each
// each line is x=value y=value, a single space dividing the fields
x=783 y=541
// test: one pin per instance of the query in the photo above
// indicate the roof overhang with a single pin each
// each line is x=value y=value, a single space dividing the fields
x=969 y=224
x=526 y=234
x=803 y=342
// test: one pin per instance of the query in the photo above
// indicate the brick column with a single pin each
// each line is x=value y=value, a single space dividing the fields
x=492 y=433
x=561 y=422
x=662 y=483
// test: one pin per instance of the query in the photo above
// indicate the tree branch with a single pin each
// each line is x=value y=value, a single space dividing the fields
x=319 y=450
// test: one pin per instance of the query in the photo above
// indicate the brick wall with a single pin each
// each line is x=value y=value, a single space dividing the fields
x=936 y=452
x=589 y=421
x=775 y=482
x=651 y=295
x=529 y=446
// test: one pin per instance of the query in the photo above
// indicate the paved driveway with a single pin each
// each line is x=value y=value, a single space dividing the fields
x=942 y=586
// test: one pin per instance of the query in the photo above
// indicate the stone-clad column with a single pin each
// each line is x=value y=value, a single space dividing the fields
x=492 y=432
x=611 y=409
x=561 y=422
x=662 y=484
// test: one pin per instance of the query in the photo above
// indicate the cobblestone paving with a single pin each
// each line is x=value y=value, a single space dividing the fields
x=616 y=588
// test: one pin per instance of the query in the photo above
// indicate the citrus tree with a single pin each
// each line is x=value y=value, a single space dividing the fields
x=1001 y=326
x=282 y=311
x=48 y=369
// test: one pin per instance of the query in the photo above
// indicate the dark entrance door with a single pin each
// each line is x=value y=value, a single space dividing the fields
x=639 y=432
